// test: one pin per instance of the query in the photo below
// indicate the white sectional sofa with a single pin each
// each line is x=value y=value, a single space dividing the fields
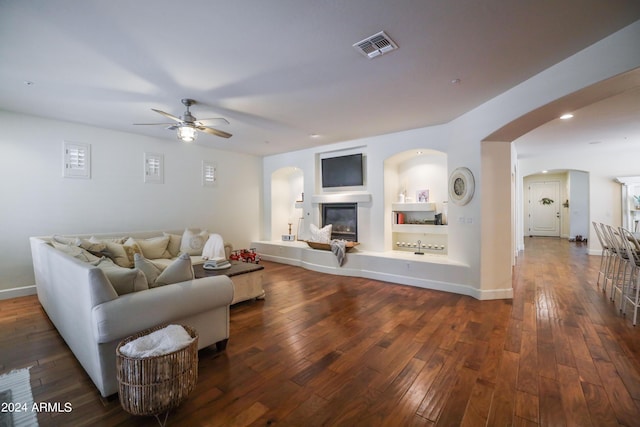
x=93 y=318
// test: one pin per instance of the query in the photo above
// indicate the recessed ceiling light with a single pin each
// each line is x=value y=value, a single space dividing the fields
x=418 y=152
x=545 y=171
x=456 y=81
x=566 y=116
x=314 y=135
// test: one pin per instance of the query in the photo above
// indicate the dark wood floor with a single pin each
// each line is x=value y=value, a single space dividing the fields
x=329 y=350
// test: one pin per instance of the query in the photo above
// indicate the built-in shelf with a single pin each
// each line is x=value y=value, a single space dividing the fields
x=419 y=228
x=417 y=225
x=413 y=207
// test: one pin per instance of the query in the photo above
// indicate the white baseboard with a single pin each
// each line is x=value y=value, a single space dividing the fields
x=17 y=292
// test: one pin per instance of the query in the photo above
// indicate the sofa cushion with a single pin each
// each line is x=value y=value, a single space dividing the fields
x=153 y=248
x=180 y=270
x=174 y=244
x=193 y=241
x=123 y=280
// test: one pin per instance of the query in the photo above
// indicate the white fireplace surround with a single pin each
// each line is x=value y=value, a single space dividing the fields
x=359 y=197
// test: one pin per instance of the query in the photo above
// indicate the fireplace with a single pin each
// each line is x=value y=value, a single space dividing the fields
x=344 y=218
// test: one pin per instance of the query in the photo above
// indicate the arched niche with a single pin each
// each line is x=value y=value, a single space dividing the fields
x=408 y=173
x=287 y=186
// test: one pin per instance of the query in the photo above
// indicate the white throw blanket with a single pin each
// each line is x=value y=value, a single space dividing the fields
x=338 y=247
x=163 y=341
x=214 y=248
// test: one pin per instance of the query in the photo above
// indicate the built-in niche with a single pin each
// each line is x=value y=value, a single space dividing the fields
x=287 y=186
x=416 y=205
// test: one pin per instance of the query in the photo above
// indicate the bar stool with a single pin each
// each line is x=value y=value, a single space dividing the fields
x=613 y=266
x=623 y=269
x=605 y=255
x=631 y=291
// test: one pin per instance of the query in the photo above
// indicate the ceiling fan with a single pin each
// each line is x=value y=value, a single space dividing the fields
x=187 y=125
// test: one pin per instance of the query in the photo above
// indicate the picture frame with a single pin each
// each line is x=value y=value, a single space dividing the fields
x=422 y=196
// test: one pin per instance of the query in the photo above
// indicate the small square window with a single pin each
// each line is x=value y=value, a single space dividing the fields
x=209 y=174
x=76 y=160
x=153 y=168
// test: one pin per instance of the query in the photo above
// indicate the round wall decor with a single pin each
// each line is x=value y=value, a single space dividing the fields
x=461 y=186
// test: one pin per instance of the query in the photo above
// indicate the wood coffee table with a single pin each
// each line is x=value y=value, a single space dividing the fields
x=246 y=278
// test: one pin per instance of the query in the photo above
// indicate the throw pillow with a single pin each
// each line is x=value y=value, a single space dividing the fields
x=123 y=280
x=150 y=270
x=75 y=252
x=63 y=240
x=121 y=254
x=320 y=235
x=174 y=244
x=179 y=270
x=193 y=241
x=95 y=247
x=153 y=248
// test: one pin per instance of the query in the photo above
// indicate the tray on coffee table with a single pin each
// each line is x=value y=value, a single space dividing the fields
x=237 y=267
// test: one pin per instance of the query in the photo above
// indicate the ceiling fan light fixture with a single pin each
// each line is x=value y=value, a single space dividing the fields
x=187 y=133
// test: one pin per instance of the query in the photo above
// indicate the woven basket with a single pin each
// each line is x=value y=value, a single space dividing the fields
x=154 y=385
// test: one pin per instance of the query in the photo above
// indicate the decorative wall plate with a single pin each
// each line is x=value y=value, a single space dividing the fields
x=461 y=186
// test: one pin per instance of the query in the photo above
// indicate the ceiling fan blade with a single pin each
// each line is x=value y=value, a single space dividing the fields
x=215 y=121
x=152 y=124
x=215 y=132
x=170 y=116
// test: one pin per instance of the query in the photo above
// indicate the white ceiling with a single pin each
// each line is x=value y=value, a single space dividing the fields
x=281 y=70
x=609 y=125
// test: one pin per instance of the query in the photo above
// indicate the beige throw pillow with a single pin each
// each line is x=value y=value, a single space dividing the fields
x=174 y=244
x=193 y=241
x=122 y=255
x=123 y=280
x=153 y=248
x=75 y=252
x=179 y=270
x=150 y=270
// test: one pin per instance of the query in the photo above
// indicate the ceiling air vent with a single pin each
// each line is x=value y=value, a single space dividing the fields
x=375 y=45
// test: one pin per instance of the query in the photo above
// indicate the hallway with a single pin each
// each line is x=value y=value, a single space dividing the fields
x=577 y=353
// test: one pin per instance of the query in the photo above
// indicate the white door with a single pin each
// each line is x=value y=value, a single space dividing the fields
x=544 y=208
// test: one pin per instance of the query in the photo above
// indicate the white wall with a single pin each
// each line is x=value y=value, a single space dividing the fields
x=37 y=200
x=461 y=140
x=578 y=204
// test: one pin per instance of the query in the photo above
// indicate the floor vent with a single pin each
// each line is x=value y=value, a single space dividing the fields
x=375 y=45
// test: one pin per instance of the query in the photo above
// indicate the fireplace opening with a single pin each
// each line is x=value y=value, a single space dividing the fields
x=344 y=220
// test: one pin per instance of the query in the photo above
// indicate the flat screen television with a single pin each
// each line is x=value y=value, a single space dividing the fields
x=342 y=171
